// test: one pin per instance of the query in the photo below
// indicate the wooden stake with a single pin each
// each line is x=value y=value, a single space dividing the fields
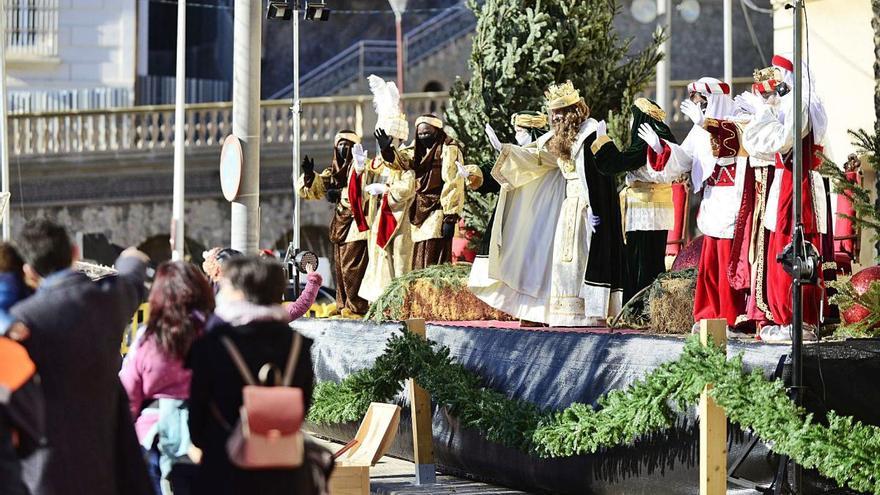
x=713 y=423
x=423 y=435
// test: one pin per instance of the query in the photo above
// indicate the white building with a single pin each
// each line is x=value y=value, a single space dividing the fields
x=70 y=54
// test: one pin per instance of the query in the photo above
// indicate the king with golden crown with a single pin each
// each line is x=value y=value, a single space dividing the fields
x=558 y=221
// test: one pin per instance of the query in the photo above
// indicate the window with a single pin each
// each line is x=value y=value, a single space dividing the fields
x=31 y=28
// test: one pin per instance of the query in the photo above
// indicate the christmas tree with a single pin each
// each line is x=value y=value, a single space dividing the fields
x=522 y=46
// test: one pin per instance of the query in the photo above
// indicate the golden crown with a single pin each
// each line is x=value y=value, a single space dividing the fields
x=767 y=74
x=561 y=95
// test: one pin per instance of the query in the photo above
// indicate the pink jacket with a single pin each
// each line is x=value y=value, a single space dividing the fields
x=305 y=300
x=152 y=374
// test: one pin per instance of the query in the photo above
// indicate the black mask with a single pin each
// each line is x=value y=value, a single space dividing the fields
x=343 y=149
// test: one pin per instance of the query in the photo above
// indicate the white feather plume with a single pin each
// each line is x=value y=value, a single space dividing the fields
x=386 y=97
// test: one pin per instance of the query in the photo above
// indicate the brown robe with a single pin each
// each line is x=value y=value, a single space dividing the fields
x=350 y=258
x=428 y=166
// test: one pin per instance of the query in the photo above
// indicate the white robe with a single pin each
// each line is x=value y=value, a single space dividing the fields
x=540 y=239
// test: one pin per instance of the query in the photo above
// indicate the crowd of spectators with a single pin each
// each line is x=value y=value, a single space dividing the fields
x=77 y=418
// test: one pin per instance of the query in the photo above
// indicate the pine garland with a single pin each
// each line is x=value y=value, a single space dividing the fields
x=845 y=450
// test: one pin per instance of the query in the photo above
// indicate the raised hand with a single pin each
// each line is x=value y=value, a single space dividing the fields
x=360 y=157
x=693 y=112
x=383 y=139
x=648 y=135
x=308 y=166
x=493 y=138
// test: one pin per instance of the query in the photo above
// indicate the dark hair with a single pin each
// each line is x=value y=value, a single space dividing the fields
x=10 y=260
x=227 y=253
x=45 y=246
x=180 y=300
x=261 y=280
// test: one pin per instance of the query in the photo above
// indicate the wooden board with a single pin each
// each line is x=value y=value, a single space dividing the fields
x=350 y=480
x=420 y=404
x=713 y=423
x=374 y=436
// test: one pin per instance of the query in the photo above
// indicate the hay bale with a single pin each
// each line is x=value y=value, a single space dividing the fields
x=671 y=308
x=437 y=293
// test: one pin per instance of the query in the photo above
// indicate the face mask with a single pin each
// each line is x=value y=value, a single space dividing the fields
x=426 y=140
x=342 y=151
x=523 y=138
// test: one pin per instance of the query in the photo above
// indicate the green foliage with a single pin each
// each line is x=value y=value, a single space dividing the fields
x=844 y=450
x=390 y=304
x=522 y=46
x=477 y=211
x=867 y=214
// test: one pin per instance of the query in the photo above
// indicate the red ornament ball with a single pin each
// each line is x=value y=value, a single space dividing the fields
x=689 y=257
x=861 y=282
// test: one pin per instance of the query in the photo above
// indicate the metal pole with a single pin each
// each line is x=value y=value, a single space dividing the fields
x=398 y=22
x=728 y=42
x=296 y=127
x=246 y=123
x=664 y=19
x=4 y=131
x=177 y=205
x=797 y=221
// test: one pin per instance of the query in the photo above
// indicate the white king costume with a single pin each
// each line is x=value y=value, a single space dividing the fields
x=537 y=268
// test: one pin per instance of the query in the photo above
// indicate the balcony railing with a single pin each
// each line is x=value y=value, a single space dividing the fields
x=148 y=128
x=31 y=29
x=207 y=124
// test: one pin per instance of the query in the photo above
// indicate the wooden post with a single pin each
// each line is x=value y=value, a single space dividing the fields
x=423 y=435
x=713 y=423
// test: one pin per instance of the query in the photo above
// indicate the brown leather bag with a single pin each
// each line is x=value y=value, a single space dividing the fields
x=267 y=434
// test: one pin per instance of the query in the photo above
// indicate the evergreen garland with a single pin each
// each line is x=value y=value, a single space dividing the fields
x=845 y=450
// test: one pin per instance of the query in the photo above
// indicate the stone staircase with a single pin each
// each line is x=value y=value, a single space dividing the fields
x=354 y=64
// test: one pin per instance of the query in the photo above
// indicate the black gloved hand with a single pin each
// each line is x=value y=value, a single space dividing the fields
x=383 y=139
x=308 y=166
x=333 y=195
x=447 y=230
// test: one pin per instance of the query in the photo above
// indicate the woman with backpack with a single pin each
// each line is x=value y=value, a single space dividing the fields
x=254 y=353
x=154 y=378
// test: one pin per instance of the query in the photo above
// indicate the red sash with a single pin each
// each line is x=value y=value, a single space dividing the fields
x=387 y=224
x=356 y=199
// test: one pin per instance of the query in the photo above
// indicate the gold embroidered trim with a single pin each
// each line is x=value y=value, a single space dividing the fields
x=650 y=109
x=599 y=142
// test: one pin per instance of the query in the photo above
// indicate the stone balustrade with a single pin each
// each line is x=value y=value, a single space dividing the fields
x=151 y=128
x=148 y=128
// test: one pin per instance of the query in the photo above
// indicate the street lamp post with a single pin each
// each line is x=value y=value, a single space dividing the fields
x=399 y=7
x=290 y=10
x=177 y=203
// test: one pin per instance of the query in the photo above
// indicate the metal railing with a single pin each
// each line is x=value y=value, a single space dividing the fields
x=148 y=128
x=31 y=28
x=379 y=56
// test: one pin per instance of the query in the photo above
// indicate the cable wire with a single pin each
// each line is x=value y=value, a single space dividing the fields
x=755 y=43
x=751 y=5
x=333 y=11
